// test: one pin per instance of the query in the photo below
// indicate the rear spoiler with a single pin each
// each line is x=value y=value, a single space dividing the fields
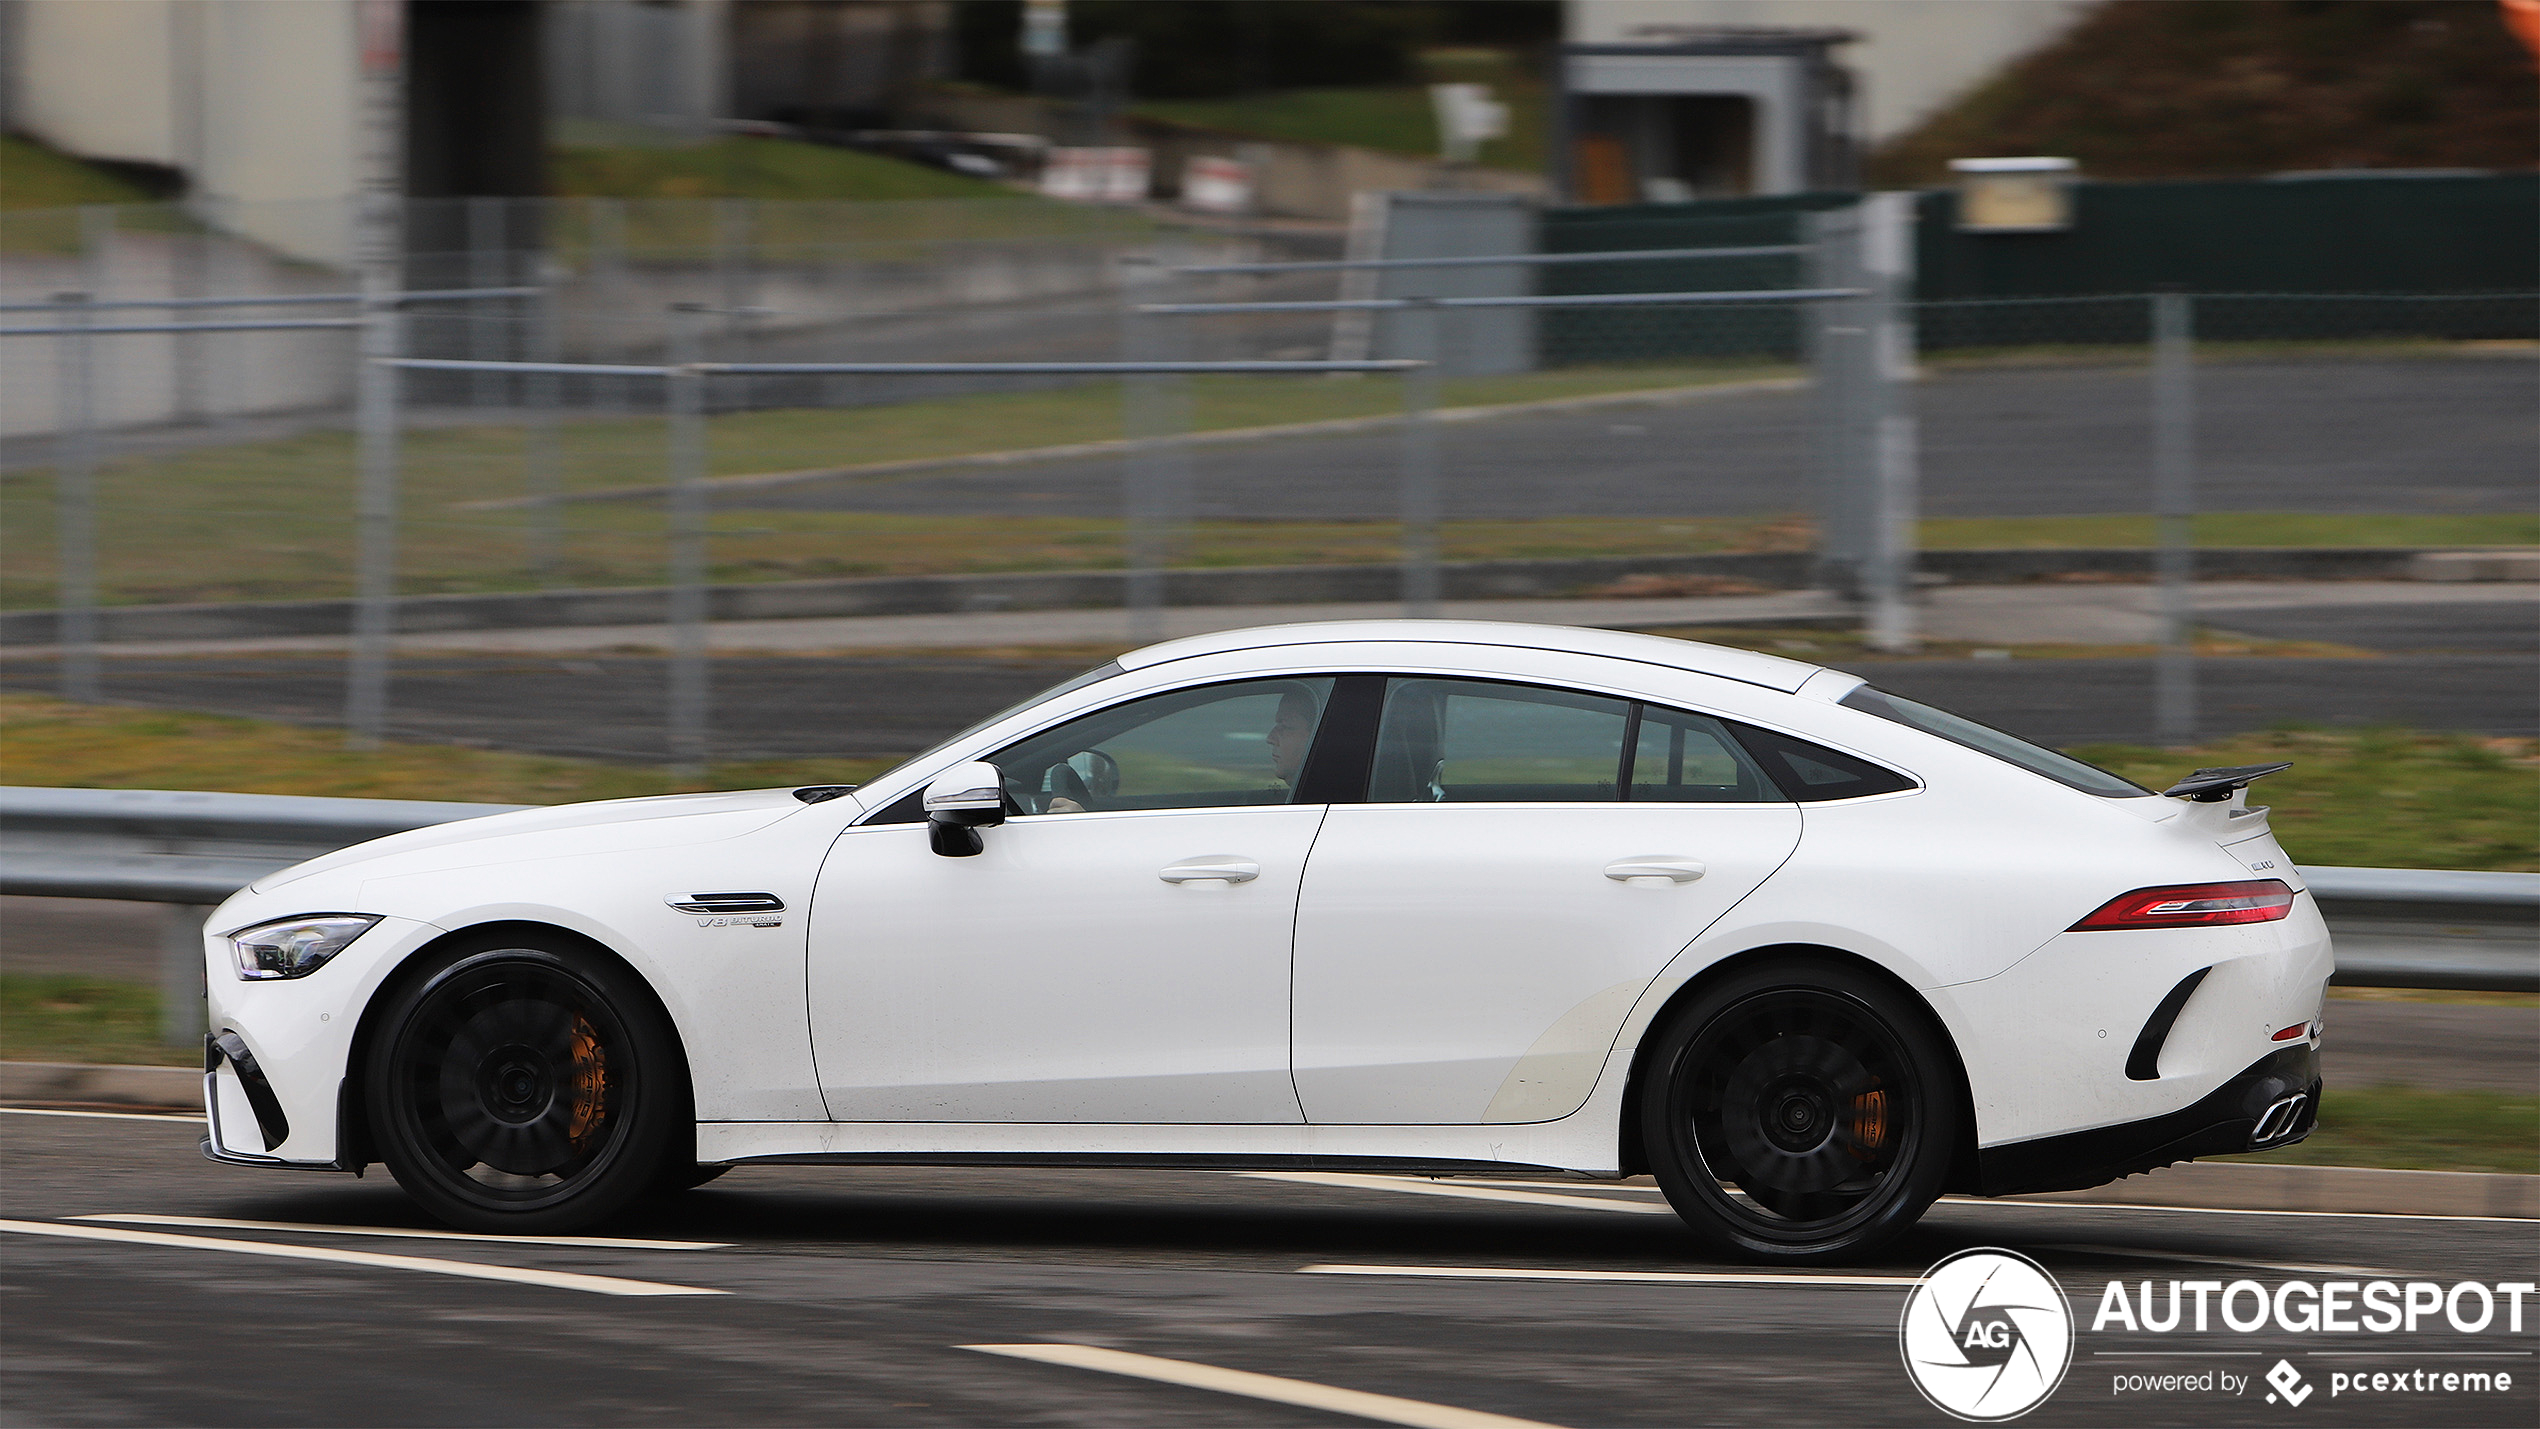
x=2213 y=786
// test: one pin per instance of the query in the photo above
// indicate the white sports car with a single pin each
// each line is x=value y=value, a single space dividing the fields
x=1431 y=897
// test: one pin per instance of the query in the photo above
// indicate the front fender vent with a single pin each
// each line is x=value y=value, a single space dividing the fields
x=726 y=902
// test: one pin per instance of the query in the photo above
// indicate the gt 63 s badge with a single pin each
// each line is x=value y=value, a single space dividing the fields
x=1986 y=1336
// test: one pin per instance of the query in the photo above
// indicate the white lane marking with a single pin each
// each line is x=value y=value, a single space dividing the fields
x=98 y=1115
x=216 y=1223
x=2129 y=1253
x=1570 y=1182
x=1305 y=1394
x=2226 y=1210
x=1355 y=1182
x=555 y=1279
x=1631 y=1277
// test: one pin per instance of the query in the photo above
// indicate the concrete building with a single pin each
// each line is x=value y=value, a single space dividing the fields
x=1673 y=99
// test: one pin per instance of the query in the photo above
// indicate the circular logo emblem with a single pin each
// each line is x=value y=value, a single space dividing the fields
x=1987 y=1335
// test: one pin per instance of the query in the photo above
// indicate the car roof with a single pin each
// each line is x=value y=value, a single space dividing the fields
x=1770 y=671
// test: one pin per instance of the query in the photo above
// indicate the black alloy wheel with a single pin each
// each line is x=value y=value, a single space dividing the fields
x=1800 y=1112
x=525 y=1089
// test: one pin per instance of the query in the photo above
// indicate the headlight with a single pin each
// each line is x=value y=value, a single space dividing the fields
x=295 y=947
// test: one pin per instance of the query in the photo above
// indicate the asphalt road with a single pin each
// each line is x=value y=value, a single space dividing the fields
x=2431 y=436
x=773 y=707
x=850 y=1294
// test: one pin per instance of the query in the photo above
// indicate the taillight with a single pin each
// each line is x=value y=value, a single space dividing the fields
x=2193 y=905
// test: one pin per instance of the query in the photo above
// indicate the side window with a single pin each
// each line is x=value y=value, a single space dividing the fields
x=1216 y=746
x=1812 y=773
x=1684 y=758
x=1474 y=741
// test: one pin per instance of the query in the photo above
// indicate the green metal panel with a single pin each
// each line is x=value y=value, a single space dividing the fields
x=1575 y=336
x=2301 y=240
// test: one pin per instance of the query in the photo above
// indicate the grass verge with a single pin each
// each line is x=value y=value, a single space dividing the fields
x=46 y=741
x=753 y=168
x=47 y=1018
x=2376 y=798
x=273 y=520
x=2413 y=1129
x=2387 y=798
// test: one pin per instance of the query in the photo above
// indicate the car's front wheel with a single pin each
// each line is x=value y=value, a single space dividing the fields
x=1800 y=1112
x=518 y=1087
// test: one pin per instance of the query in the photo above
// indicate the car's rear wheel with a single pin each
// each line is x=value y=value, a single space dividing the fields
x=523 y=1087
x=1800 y=1112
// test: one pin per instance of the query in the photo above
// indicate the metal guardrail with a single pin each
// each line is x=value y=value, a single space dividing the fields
x=2395 y=927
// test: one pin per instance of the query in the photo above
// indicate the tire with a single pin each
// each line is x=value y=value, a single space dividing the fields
x=525 y=1087
x=1801 y=1112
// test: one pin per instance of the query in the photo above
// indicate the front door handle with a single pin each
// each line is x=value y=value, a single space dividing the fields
x=1654 y=865
x=1220 y=867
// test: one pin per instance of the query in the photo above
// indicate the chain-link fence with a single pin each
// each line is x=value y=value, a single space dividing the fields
x=225 y=460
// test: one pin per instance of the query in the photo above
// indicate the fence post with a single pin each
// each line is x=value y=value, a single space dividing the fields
x=181 y=972
x=2174 y=504
x=75 y=498
x=186 y=255
x=611 y=320
x=1840 y=372
x=1419 y=336
x=1887 y=252
x=685 y=393
x=735 y=232
x=485 y=265
x=545 y=456
x=1156 y=477
x=375 y=515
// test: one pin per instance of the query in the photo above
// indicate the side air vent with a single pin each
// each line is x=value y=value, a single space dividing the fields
x=823 y=793
x=726 y=902
x=2143 y=1064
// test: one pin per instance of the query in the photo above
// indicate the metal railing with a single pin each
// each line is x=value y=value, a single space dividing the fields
x=2395 y=927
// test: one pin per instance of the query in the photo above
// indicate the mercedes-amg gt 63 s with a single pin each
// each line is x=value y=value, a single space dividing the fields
x=1429 y=897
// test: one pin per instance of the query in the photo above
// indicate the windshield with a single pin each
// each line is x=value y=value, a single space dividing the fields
x=2063 y=769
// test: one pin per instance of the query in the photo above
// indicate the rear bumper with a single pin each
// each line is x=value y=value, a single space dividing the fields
x=2275 y=1102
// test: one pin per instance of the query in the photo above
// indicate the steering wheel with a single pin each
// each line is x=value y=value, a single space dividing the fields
x=1064 y=783
x=1102 y=775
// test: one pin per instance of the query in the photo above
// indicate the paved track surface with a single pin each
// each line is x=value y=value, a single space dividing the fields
x=850 y=1293
x=610 y=707
x=2429 y=436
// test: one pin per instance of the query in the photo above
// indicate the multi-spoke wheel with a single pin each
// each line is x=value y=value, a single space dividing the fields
x=523 y=1087
x=1800 y=1112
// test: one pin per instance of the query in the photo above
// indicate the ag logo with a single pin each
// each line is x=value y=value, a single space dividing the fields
x=1986 y=1336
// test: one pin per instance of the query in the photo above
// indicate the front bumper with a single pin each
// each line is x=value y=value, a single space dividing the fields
x=2275 y=1102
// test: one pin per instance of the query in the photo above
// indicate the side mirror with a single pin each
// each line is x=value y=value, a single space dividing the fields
x=963 y=800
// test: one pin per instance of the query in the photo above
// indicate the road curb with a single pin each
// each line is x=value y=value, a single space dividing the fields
x=100 y=1084
x=2356 y=1190
x=1231 y=585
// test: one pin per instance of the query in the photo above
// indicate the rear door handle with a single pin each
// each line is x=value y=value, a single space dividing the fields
x=1220 y=867
x=1654 y=865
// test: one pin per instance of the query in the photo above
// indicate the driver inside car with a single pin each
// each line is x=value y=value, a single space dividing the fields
x=1291 y=734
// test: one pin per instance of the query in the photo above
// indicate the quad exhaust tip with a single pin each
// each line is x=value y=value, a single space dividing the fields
x=2279 y=1119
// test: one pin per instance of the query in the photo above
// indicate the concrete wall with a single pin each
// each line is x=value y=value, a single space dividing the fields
x=94 y=78
x=253 y=99
x=1913 y=57
x=281 y=127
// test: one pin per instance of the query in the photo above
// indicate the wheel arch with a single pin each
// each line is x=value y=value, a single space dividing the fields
x=1633 y=1157
x=353 y=1147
